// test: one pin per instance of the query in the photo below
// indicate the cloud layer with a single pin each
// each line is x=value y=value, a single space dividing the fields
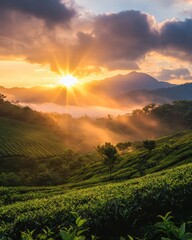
x=48 y=10
x=36 y=30
x=176 y=38
x=178 y=74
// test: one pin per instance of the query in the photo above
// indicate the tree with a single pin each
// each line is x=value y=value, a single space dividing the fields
x=149 y=145
x=123 y=146
x=109 y=154
x=149 y=108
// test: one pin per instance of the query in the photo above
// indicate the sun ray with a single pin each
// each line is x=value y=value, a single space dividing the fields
x=68 y=81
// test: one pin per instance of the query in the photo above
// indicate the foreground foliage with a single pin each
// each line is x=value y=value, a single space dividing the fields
x=163 y=230
x=109 y=208
x=170 y=231
x=76 y=231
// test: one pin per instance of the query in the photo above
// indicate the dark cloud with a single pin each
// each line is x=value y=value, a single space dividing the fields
x=125 y=35
x=122 y=65
x=115 y=41
x=118 y=40
x=176 y=39
x=52 y=11
x=178 y=73
x=130 y=35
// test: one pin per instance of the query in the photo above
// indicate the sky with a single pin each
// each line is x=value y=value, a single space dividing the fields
x=43 y=40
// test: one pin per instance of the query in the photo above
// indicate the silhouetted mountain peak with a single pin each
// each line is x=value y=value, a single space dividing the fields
x=125 y=83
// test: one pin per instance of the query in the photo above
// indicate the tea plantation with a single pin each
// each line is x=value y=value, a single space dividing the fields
x=25 y=139
x=112 y=209
x=171 y=151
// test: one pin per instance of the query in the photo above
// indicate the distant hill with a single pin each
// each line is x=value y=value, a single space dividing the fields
x=125 y=83
x=180 y=92
x=94 y=93
x=30 y=140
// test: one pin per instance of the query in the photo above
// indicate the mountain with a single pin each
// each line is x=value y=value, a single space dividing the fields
x=179 y=92
x=94 y=93
x=125 y=83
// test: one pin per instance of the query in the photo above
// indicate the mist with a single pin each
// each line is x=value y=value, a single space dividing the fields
x=84 y=133
x=76 y=112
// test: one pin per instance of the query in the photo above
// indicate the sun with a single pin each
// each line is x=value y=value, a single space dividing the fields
x=68 y=81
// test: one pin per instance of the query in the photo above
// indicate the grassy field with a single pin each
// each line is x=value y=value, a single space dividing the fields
x=143 y=185
x=34 y=141
x=112 y=209
x=171 y=151
x=25 y=139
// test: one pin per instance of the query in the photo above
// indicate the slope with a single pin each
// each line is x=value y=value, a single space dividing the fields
x=171 y=151
x=112 y=209
x=24 y=139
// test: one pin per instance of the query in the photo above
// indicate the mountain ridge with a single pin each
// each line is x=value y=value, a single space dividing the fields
x=123 y=83
x=163 y=95
x=95 y=93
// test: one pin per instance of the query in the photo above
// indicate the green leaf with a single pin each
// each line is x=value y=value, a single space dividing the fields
x=166 y=217
x=80 y=232
x=65 y=235
x=130 y=238
x=77 y=220
x=93 y=237
x=80 y=238
x=81 y=222
x=160 y=225
x=182 y=230
x=187 y=236
x=75 y=215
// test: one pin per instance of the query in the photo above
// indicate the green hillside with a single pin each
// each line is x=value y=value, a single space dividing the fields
x=112 y=209
x=143 y=185
x=171 y=151
x=50 y=163
x=26 y=139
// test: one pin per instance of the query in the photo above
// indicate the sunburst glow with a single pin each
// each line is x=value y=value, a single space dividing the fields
x=68 y=81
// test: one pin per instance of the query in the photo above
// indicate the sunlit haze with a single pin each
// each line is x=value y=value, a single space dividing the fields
x=68 y=81
x=95 y=119
x=93 y=41
x=74 y=44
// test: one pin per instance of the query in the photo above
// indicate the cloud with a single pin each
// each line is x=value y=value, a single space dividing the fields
x=125 y=38
x=178 y=74
x=129 y=35
x=173 y=2
x=125 y=35
x=176 y=39
x=117 y=41
x=122 y=65
x=52 y=11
